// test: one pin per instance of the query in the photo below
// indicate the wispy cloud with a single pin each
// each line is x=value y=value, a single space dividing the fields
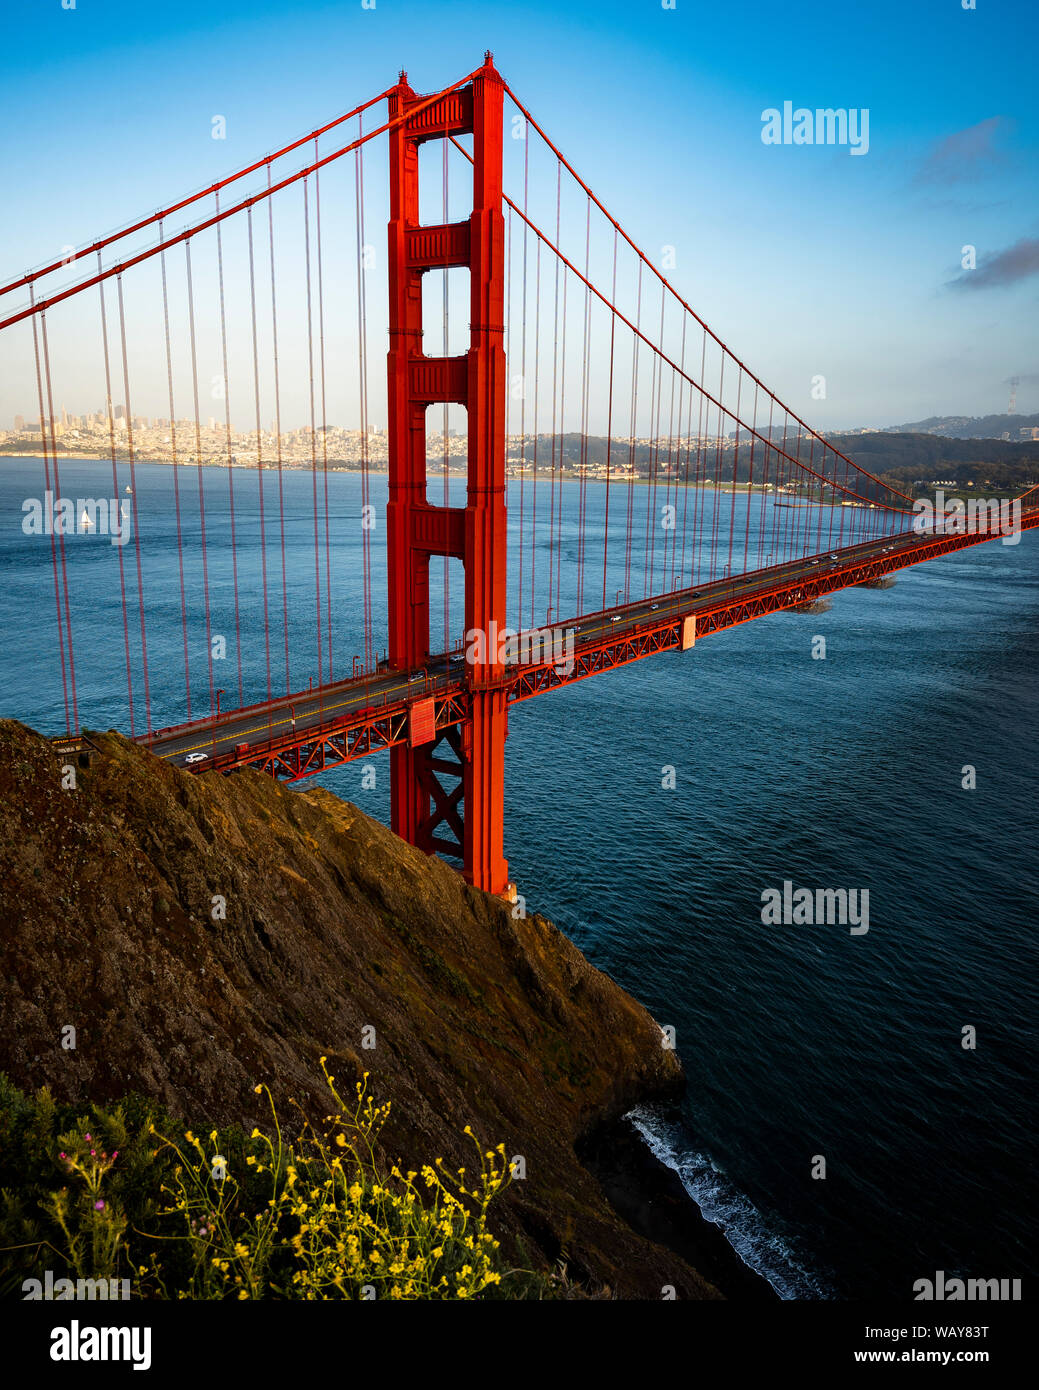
x=1007 y=267
x=966 y=154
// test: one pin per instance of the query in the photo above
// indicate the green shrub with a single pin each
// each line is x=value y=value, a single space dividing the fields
x=112 y=1194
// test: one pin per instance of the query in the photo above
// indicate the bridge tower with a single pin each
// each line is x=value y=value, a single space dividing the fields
x=447 y=793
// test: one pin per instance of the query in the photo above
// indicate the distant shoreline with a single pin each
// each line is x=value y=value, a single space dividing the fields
x=383 y=472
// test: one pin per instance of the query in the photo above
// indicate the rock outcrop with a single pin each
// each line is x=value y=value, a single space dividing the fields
x=204 y=933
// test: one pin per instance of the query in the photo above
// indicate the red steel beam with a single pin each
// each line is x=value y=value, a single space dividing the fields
x=340 y=741
x=370 y=730
x=665 y=634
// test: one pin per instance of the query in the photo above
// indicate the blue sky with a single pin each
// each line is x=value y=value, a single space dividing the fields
x=805 y=259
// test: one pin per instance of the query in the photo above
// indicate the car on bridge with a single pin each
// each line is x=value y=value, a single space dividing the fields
x=196 y=758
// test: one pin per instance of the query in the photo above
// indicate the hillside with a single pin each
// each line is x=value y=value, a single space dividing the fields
x=333 y=926
x=904 y=458
x=970 y=426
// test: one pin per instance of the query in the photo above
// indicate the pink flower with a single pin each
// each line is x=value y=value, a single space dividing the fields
x=61 y=1155
x=87 y=1138
x=99 y=1206
x=115 y=1155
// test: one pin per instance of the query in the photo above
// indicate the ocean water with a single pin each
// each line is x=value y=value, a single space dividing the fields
x=800 y=1042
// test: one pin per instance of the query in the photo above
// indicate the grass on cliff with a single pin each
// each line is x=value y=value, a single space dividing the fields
x=113 y=1194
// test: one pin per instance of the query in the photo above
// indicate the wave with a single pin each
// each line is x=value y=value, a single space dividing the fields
x=746 y=1230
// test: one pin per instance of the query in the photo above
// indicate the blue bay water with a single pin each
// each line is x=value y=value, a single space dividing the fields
x=798 y=1041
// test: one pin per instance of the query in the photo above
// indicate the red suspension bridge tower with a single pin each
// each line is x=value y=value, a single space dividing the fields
x=447 y=785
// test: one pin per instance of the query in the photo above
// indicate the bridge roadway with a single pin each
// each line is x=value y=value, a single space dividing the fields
x=286 y=721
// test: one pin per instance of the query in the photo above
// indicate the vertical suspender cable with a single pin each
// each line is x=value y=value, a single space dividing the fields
x=115 y=491
x=227 y=446
x=553 y=426
x=562 y=437
x=176 y=478
x=735 y=469
x=201 y=483
x=277 y=432
x=583 y=507
x=636 y=342
x=362 y=350
x=712 y=575
x=133 y=484
x=324 y=406
x=49 y=495
x=765 y=488
x=508 y=340
x=701 y=464
x=61 y=537
x=651 y=502
x=609 y=424
x=259 y=455
x=674 y=454
x=534 y=459
x=750 y=479
x=446 y=485
x=313 y=433
x=523 y=394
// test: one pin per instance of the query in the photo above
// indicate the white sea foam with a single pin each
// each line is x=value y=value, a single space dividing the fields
x=744 y=1227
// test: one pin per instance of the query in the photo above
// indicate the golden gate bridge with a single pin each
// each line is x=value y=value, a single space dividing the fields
x=568 y=324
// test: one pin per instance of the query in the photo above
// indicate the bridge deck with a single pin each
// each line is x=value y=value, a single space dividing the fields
x=304 y=733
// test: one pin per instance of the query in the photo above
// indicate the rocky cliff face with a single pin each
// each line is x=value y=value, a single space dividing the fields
x=112 y=893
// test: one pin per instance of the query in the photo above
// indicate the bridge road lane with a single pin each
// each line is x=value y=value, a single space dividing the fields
x=312 y=709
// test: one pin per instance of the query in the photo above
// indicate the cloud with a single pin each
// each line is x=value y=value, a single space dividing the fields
x=967 y=154
x=1007 y=267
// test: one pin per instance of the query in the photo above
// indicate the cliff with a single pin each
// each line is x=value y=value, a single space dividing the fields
x=335 y=933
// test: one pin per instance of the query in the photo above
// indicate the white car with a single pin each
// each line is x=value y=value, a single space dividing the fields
x=616 y=618
x=196 y=757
